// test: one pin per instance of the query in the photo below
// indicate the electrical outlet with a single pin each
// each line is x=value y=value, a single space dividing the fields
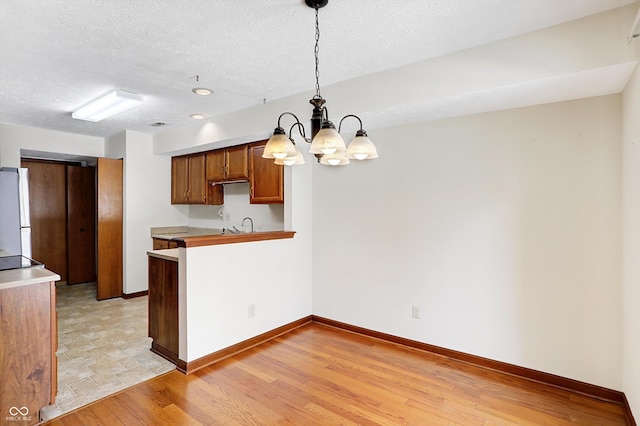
x=415 y=312
x=252 y=310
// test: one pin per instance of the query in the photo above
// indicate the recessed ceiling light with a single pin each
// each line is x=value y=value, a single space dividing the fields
x=202 y=91
x=197 y=116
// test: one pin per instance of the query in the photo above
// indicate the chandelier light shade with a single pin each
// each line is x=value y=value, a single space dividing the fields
x=338 y=158
x=326 y=143
x=107 y=105
x=327 y=140
x=361 y=147
x=291 y=160
x=279 y=146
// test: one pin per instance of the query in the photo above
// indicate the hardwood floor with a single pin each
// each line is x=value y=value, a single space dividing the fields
x=318 y=375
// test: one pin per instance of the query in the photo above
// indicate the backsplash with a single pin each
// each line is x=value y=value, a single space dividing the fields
x=236 y=207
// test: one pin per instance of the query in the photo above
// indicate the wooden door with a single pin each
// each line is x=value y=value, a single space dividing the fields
x=81 y=224
x=48 y=205
x=109 y=212
x=237 y=163
x=179 y=180
x=267 y=179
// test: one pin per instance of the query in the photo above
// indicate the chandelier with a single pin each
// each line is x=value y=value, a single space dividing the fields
x=326 y=142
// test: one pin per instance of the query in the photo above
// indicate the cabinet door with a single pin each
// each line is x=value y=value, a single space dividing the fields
x=237 y=163
x=215 y=194
x=26 y=358
x=163 y=306
x=197 y=183
x=215 y=165
x=179 y=180
x=266 y=179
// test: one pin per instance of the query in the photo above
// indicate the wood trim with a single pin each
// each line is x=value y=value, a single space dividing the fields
x=128 y=296
x=164 y=353
x=212 y=240
x=627 y=411
x=181 y=366
x=503 y=367
x=229 y=351
x=54 y=342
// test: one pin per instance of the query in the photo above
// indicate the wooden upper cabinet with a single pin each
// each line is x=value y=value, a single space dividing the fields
x=198 y=178
x=228 y=165
x=197 y=183
x=237 y=159
x=215 y=164
x=188 y=184
x=266 y=178
x=179 y=180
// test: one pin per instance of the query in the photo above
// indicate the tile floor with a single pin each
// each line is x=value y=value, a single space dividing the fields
x=102 y=347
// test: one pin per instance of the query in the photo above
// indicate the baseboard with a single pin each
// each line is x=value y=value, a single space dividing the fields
x=133 y=295
x=627 y=411
x=164 y=353
x=214 y=357
x=577 y=386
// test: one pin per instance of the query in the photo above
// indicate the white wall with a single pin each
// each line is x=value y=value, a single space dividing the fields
x=266 y=217
x=631 y=241
x=504 y=228
x=217 y=283
x=14 y=138
x=147 y=197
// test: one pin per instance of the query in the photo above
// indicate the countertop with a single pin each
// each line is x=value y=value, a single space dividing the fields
x=166 y=254
x=195 y=237
x=26 y=276
x=171 y=232
x=211 y=240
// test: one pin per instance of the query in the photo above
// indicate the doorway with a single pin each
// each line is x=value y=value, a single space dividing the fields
x=76 y=218
x=62 y=205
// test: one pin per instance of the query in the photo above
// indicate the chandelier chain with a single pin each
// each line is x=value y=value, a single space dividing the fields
x=316 y=53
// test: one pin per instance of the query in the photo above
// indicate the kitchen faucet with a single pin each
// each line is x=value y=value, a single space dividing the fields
x=250 y=220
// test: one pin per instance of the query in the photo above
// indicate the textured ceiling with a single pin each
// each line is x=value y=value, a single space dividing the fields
x=56 y=55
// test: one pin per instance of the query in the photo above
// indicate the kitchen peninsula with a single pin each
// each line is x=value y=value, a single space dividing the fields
x=28 y=331
x=223 y=270
x=173 y=237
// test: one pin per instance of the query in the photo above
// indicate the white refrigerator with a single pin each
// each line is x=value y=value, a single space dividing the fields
x=15 y=224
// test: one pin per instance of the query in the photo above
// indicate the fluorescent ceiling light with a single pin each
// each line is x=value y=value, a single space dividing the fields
x=108 y=105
